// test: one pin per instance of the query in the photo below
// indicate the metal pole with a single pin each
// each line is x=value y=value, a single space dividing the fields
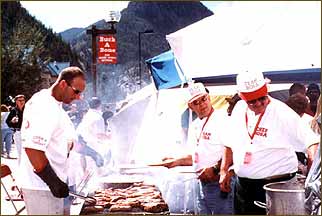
x=94 y=59
x=140 y=73
x=150 y=31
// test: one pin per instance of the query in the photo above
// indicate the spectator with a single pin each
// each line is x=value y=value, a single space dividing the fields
x=298 y=102
x=313 y=92
x=314 y=124
x=6 y=132
x=313 y=180
x=297 y=88
x=14 y=121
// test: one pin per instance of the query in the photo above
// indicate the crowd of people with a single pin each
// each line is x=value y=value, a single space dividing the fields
x=258 y=140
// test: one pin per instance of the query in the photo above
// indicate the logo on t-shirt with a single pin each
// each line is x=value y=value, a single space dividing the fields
x=39 y=140
x=261 y=132
x=206 y=135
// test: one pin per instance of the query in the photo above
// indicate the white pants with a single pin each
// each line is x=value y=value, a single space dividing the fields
x=40 y=202
x=17 y=140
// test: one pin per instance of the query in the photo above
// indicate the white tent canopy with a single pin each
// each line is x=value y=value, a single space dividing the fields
x=241 y=36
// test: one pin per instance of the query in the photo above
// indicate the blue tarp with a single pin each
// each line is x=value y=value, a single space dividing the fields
x=164 y=71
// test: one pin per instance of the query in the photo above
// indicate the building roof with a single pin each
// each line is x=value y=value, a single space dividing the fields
x=56 y=67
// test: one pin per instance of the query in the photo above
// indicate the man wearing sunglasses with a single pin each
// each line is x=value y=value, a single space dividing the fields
x=47 y=137
x=264 y=136
x=205 y=134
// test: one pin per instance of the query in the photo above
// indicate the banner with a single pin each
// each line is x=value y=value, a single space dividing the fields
x=107 y=49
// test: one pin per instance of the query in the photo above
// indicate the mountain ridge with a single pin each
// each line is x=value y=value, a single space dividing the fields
x=116 y=82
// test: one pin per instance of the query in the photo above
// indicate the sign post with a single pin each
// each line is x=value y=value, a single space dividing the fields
x=107 y=55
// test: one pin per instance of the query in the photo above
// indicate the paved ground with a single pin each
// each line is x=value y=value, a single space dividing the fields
x=6 y=206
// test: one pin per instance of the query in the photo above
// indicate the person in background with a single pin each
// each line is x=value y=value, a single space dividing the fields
x=232 y=102
x=313 y=93
x=14 y=121
x=107 y=114
x=92 y=136
x=6 y=132
x=263 y=137
x=46 y=142
x=206 y=136
x=297 y=88
x=314 y=123
x=301 y=89
x=298 y=102
x=313 y=180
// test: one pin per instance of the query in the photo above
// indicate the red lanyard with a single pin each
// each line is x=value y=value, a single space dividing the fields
x=258 y=121
x=204 y=124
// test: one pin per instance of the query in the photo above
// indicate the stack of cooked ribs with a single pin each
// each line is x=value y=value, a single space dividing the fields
x=136 y=198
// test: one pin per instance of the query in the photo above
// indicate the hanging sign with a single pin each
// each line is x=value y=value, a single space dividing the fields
x=107 y=49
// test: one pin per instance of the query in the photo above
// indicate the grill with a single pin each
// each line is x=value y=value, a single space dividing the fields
x=176 y=188
x=136 y=198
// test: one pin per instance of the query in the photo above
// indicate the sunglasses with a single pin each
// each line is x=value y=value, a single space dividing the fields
x=200 y=101
x=76 y=91
x=252 y=102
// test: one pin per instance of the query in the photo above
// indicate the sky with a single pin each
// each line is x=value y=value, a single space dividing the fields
x=62 y=15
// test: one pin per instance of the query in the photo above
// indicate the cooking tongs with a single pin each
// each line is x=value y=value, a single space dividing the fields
x=89 y=199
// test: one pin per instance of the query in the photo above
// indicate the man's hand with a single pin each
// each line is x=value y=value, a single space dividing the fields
x=225 y=174
x=57 y=187
x=99 y=160
x=224 y=181
x=169 y=162
x=207 y=175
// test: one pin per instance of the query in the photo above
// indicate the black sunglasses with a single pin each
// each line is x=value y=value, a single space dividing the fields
x=252 y=102
x=76 y=91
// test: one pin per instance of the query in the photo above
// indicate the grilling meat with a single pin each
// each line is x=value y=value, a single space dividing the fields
x=137 y=197
x=92 y=209
x=155 y=207
x=120 y=208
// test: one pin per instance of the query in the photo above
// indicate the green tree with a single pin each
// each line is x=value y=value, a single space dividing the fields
x=19 y=60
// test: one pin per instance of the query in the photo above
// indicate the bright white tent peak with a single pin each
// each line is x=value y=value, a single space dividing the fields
x=241 y=36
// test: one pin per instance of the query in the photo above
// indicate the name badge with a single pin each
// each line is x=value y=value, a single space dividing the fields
x=196 y=157
x=248 y=158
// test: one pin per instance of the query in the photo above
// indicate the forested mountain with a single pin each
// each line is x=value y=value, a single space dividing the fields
x=25 y=43
x=117 y=81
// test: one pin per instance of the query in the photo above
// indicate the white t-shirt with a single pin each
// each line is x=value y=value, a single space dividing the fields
x=91 y=125
x=45 y=127
x=209 y=150
x=272 y=151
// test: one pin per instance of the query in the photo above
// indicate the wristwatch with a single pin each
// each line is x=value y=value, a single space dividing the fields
x=216 y=169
